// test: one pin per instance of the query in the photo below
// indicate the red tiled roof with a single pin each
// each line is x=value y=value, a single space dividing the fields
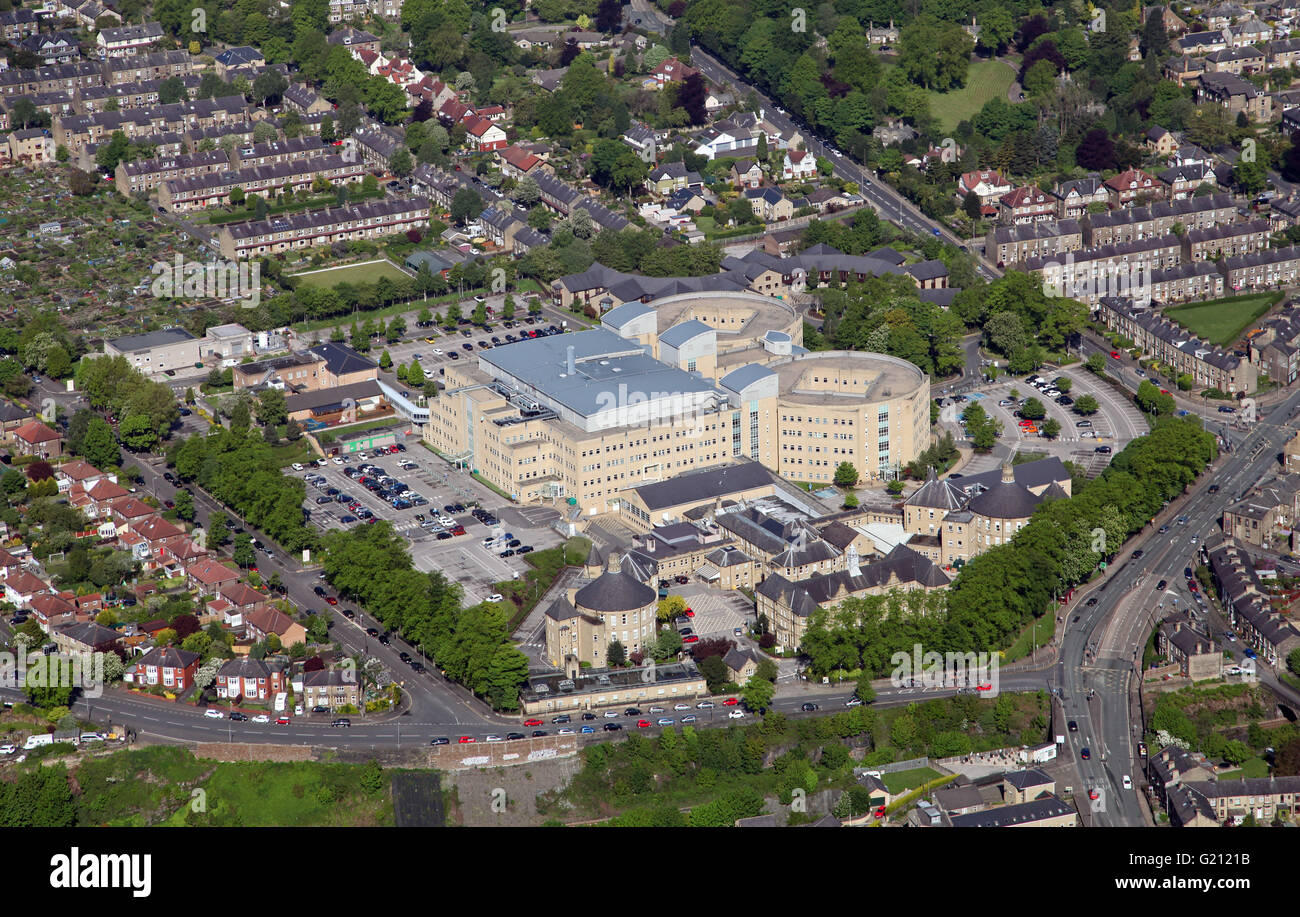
x=35 y=432
x=79 y=470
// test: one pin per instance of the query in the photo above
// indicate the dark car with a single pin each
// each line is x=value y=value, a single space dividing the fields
x=1074 y=727
x=589 y=716
x=1076 y=619
x=632 y=711
x=342 y=721
x=613 y=727
x=512 y=736
x=440 y=740
x=1092 y=601
x=1137 y=554
x=538 y=733
x=320 y=708
x=1214 y=488
x=562 y=718
x=319 y=590
x=524 y=550
x=1102 y=450
x=1161 y=585
x=417 y=666
x=808 y=708
x=1085 y=754
x=372 y=631
x=238 y=717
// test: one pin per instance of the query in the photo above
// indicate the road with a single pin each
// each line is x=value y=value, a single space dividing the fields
x=887 y=202
x=1101 y=651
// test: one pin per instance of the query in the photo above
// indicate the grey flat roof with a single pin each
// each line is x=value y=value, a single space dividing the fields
x=134 y=343
x=604 y=363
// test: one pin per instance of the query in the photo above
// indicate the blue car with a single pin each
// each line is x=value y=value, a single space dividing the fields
x=346 y=520
x=587 y=730
x=1250 y=654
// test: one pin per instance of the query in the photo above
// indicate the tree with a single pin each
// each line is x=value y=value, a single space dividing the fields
x=271 y=407
x=757 y=694
x=465 y=205
x=982 y=429
x=1096 y=150
x=865 y=691
x=668 y=645
x=184 y=504
x=218 y=530
x=1051 y=428
x=385 y=360
x=670 y=607
x=138 y=434
x=1033 y=409
x=242 y=553
x=400 y=162
x=1086 y=405
x=972 y=205
x=846 y=475
x=616 y=654
x=1096 y=363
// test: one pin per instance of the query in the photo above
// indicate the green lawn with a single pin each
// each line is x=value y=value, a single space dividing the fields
x=986 y=80
x=899 y=781
x=369 y=272
x=1255 y=767
x=1222 y=321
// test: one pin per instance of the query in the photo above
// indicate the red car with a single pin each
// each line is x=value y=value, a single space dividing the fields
x=282 y=721
x=730 y=702
x=1114 y=354
x=689 y=613
x=691 y=638
x=984 y=687
x=643 y=724
x=880 y=812
x=533 y=722
x=1164 y=391
x=467 y=739
x=1093 y=794
x=332 y=600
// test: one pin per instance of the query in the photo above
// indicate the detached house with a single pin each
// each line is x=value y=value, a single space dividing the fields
x=670 y=71
x=746 y=173
x=799 y=165
x=988 y=185
x=481 y=134
x=770 y=204
x=670 y=177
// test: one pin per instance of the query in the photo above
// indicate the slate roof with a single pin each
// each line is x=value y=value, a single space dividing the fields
x=614 y=591
x=341 y=359
x=702 y=485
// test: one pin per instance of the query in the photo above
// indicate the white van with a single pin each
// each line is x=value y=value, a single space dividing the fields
x=37 y=741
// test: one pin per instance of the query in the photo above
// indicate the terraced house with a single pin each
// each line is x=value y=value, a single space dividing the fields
x=370 y=220
x=144 y=175
x=1158 y=337
x=1018 y=244
x=1158 y=219
x=183 y=195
